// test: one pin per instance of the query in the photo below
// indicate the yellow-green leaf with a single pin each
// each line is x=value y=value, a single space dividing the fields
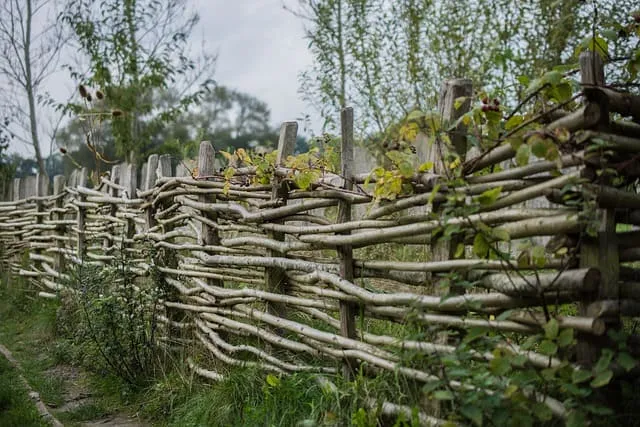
x=602 y=379
x=480 y=245
x=273 y=381
x=489 y=196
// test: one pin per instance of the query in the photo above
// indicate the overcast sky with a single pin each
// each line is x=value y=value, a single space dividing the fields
x=261 y=51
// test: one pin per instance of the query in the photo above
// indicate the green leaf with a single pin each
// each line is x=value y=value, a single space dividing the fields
x=513 y=122
x=430 y=386
x=457 y=103
x=406 y=169
x=499 y=366
x=504 y=315
x=530 y=342
x=475 y=333
x=576 y=419
x=273 y=381
x=519 y=361
x=427 y=166
x=500 y=234
x=443 y=395
x=480 y=245
x=522 y=155
x=565 y=338
x=580 y=376
x=524 y=80
x=551 y=329
x=602 y=379
x=598 y=410
x=474 y=413
x=548 y=347
x=542 y=411
x=599 y=45
x=459 y=250
x=553 y=77
x=604 y=361
x=537 y=256
x=415 y=115
x=489 y=196
x=627 y=361
x=539 y=145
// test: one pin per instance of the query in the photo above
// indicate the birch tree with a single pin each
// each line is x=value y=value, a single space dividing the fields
x=31 y=42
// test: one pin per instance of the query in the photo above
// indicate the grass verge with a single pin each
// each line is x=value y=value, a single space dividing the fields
x=16 y=408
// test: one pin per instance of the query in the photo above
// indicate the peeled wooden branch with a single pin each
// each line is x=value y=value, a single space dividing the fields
x=582 y=118
x=625 y=104
x=590 y=325
x=204 y=372
x=530 y=169
x=386 y=234
x=290 y=367
x=446 y=266
x=609 y=197
x=614 y=308
x=451 y=320
x=533 y=191
x=391 y=409
x=582 y=280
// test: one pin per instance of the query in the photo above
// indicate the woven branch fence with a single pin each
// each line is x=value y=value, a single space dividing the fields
x=265 y=261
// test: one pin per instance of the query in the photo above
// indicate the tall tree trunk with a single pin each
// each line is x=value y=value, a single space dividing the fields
x=341 y=59
x=30 y=92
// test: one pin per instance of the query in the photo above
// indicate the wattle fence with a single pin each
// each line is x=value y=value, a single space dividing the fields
x=314 y=277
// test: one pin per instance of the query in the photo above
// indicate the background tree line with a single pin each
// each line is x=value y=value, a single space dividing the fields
x=384 y=57
x=388 y=57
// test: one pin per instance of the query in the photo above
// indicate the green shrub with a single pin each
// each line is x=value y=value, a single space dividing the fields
x=111 y=316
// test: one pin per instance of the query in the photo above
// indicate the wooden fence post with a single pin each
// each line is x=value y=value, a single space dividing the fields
x=16 y=189
x=600 y=251
x=81 y=181
x=451 y=90
x=41 y=190
x=275 y=277
x=444 y=250
x=31 y=185
x=143 y=176
x=114 y=177
x=149 y=182
x=130 y=183
x=22 y=190
x=345 y=253
x=164 y=166
x=58 y=190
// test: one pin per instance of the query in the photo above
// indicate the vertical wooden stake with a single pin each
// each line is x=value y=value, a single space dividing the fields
x=22 y=190
x=16 y=189
x=443 y=250
x=81 y=181
x=58 y=190
x=149 y=182
x=450 y=91
x=275 y=277
x=600 y=251
x=143 y=177
x=208 y=233
x=345 y=252
x=108 y=243
x=41 y=191
x=130 y=183
x=164 y=166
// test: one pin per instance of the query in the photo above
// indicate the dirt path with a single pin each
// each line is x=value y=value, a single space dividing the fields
x=76 y=395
